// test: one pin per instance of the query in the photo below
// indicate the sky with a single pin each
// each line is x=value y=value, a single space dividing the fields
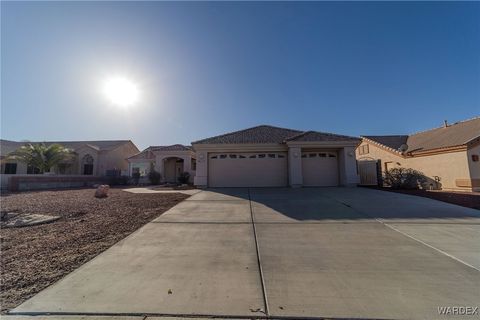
x=207 y=68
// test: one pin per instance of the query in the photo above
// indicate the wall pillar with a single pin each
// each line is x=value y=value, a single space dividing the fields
x=348 y=167
x=159 y=167
x=201 y=174
x=295 y=175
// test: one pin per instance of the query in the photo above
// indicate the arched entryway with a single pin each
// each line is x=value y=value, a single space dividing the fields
x=172 y=169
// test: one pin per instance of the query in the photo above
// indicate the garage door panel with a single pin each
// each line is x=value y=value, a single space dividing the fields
x=320 y=169
x=247 y=170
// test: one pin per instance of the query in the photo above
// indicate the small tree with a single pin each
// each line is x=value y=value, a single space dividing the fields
x=404 y=178
x=154 y=176
x=41 y=156
x=184 y=177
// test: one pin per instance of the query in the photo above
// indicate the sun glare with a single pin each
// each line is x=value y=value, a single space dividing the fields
x=121 y=92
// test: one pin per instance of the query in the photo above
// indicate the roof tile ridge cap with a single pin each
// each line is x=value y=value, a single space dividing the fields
x=442 y=126
x=298 y=135
x=241 y=131
x=226 y=134
x=332 y=134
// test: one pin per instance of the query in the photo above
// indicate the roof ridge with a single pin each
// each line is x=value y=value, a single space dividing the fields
x=243 y=130
x=442 y=126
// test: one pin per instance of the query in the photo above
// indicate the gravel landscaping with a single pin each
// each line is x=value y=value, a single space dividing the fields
x=34 y=257
x=464 y=199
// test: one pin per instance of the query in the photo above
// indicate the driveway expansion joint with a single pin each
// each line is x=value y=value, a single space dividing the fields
x=262 y=279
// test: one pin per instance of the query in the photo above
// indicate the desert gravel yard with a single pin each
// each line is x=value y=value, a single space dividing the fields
x=35 y=257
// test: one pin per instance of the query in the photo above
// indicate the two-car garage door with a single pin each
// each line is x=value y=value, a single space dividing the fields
x=247 y=169
x=319 y=168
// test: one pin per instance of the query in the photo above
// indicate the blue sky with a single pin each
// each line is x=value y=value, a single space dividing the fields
x=356 y=68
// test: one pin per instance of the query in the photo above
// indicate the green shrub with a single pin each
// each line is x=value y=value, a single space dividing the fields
x=184 y=177
x=404 y=178
x=154 y=176
x=118 y=180
x=136 y=177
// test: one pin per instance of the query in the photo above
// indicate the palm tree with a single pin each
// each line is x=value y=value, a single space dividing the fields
x=41 y=156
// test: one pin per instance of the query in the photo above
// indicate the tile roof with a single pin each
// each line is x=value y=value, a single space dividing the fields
x=457 y=134
x=321 y=136
x=393 y=142
x=270 y=134
x=173 y=147
x=148 y=152
x=7 y=146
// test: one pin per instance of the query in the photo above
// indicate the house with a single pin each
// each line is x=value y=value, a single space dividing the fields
x=262 y=156
x=268 y=156
x=447 y=155
x=169 y=161
x=95 y=158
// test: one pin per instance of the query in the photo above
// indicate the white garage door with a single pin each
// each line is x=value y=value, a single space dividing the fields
x=247 y=169
x=320 y=169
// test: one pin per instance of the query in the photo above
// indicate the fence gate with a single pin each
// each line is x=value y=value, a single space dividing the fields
x=367 y=169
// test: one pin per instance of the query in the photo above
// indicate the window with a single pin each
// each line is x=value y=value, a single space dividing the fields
x=271 y=155
x=33 y=170
x=193 y=164
x=281 y=156
x=223 y=156
x=214 y=157
x=331 y=155
x=475 y=157
x=241 y=157
x=10 y=168
x=322 y=155
x=261 y=155
x=87 y=162
x=88 y=169
x=312 y=155
x=363 y=149
x=304 y=155
x=233 y=156
x=253 y=156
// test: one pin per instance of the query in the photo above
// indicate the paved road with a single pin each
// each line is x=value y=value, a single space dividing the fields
x=313 y=252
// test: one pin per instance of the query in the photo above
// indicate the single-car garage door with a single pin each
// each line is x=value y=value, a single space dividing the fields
x=320 y=169
x=247 y=169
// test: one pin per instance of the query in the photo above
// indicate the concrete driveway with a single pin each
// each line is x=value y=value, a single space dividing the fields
x=313 y=252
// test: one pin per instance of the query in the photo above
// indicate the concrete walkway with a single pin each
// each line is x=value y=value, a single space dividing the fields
x=253 y=253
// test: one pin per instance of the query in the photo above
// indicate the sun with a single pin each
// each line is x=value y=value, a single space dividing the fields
x=121 y=91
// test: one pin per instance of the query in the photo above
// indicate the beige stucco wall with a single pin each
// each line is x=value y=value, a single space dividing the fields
x=448 y=166
x=474 y=167
x=116 y=158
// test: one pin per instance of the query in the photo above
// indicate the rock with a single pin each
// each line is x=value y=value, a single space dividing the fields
x=16 y=220
x=102 y=191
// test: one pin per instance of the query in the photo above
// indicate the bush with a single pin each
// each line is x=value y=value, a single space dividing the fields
x=154 y=176
x=136 y=177
x=184 y=177
x=118 y=180
x=404 y=178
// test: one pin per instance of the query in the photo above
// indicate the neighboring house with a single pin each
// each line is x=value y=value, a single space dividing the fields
x=267 y=156
x=95 y=158
x=448 y=155
x=169 y=161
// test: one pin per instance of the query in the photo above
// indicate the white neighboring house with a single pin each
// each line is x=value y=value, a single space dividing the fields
x=169 y=161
